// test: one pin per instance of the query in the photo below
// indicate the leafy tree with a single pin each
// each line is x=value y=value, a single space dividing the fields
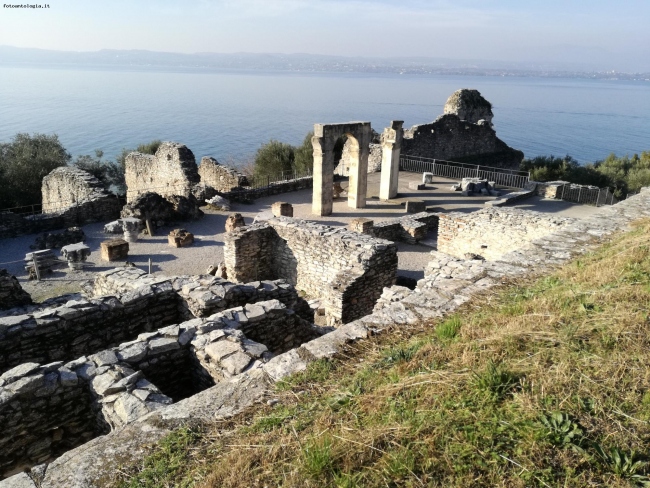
x=304 y=155
x=108 y=172
x=273 y=158
x=24 y=162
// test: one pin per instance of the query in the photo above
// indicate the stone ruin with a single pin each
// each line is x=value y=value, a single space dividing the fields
x=302 y=253
x=171 y=171
x=167 y=351
x=470 y=106
x=323 y=141
x=11 y=293
x=221 y=178
x=68 y=186
x=464 y=133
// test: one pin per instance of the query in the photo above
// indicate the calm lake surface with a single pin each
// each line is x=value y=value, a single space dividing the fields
x=228 y=115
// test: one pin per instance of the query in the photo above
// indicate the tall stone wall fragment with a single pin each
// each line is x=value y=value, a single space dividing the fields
x=391 y=147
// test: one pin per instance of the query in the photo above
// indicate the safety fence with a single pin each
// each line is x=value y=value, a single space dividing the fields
x=457 y=171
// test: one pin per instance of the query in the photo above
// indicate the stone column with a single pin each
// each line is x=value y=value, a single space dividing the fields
x=76 y=255
x=322 y=199
x=391 y=147
x=131 y=227
x=358 y=186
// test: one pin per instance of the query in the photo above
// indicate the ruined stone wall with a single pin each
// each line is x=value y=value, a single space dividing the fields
x=221 y=178
x=374 y=159
x=69 y=186
x=171 y=171
x=493 y=232
x=11 y=293
x=469 y=105
x=409 y=228
x=321 y=261
x=47 y=410
x=451 y=139
x=85 y=326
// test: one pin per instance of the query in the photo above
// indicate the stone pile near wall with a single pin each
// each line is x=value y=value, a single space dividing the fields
x=11 y=293
x=374 y=159
x=493 y=232
x=45 y=410
x=409 y=228
x=449 y=282
x=345 y=269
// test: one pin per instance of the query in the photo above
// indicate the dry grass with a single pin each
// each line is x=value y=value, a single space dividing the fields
x=542 y=383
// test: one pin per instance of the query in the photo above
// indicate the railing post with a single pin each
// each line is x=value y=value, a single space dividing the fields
x=477 y=168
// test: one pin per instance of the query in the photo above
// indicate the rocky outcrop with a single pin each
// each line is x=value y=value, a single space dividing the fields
x=470 y=106
x=11 y=293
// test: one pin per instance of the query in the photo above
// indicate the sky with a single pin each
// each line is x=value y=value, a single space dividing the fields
x=603 y=34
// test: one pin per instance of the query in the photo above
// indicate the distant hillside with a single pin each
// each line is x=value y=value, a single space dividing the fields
x=10 y=55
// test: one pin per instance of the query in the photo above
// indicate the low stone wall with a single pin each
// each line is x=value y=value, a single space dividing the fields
x=46 y=410
x=203 y=295
x=11 y=293
x=321 y=261
x=492 y=232
x=248 y=194
x=102 y=209
x=85 y=326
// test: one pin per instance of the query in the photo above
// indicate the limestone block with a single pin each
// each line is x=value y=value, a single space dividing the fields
x=361 y=225
x=233 y=221
x=114 y=249
x=131 y=227
x=414 y=185
x=180 y=238
x=114 y=227
x=282 y=209
x=415 y=206
x=427 y=178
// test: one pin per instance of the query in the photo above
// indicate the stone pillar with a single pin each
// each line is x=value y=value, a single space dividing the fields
x=76 y=255
x=131 y=227
x=282 y=209
x=322 y=199
x=391 y=148
x=359 y=151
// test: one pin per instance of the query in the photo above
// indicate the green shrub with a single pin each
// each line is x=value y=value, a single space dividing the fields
x=24 y=162
x=273 y=158
x=304 y=155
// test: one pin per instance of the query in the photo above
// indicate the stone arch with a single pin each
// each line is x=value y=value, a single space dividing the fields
x=325 y=136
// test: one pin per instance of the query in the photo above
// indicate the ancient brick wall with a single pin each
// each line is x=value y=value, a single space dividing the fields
x=219 y=177
x=46 y=410
x=171 y=171
x=493 y=232
x=449 y=138
x=323 y=262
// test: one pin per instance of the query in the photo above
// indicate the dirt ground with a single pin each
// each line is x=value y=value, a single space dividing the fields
x=208 y=233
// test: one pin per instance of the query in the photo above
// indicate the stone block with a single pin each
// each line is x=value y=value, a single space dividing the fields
x=415 y=206
x=233 y=221
x=362 y=225
x=427 y=178
x=414 y=185
x=114 y=249
x=180 y=238
x=282 y=209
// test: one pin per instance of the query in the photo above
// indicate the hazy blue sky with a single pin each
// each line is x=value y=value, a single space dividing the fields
x=608 y=33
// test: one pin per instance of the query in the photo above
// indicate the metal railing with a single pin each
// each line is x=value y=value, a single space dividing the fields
x=265 y=181
x=457 y=171
x=588 y=195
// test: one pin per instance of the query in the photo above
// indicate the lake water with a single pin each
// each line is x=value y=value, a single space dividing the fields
x=228 y=115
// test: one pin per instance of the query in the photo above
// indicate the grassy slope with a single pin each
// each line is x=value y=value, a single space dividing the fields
x=541 y=383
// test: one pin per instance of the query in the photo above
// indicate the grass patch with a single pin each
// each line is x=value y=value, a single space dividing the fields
x=542 y=383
